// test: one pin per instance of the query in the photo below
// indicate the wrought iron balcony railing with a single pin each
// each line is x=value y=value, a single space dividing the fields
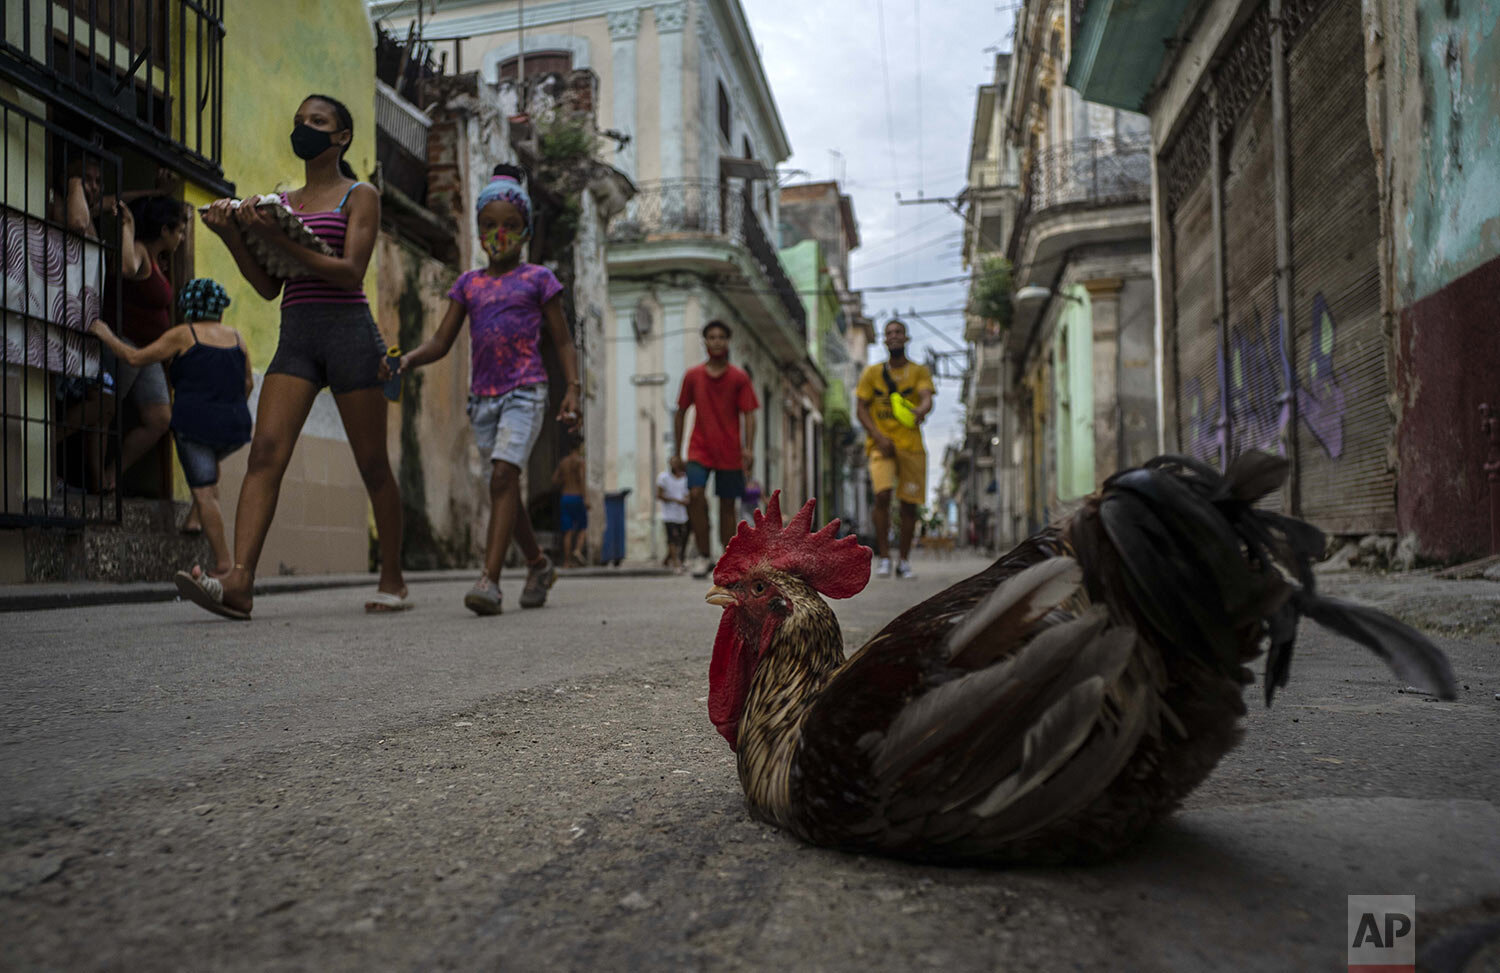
x=1099 y=172
x=149 y=72
x=1116 y=169
x=705 y=207
x=401 y=142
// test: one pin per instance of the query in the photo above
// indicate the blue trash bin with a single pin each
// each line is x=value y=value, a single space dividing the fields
x=612 y=550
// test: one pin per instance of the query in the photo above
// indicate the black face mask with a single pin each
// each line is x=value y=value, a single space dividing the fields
x=309 y=142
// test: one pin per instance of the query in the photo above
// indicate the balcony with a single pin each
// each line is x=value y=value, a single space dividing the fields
x=1092 y=191
x=710 y=228
x=150 y=73
x=401 y=142
x=1093 y=172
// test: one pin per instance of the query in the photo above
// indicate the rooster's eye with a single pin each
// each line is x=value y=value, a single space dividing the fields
x=758 y=588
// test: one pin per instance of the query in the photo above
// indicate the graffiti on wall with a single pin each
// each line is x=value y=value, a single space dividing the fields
x=1254 y=370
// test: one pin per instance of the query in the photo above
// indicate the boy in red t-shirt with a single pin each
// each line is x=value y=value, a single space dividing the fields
x=722 y=395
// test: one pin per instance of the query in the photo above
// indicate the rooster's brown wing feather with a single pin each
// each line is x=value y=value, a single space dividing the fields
x=1023 y=684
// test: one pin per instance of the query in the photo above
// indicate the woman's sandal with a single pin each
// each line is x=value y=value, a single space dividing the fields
x=207 y=592
x=384 y=601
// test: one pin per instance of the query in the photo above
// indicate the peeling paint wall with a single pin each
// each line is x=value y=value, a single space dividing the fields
x=443 y=483
x=1440 y=90
x=1433 y=106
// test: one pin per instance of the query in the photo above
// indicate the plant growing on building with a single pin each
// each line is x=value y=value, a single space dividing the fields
x=989 y=296
x=563 y=142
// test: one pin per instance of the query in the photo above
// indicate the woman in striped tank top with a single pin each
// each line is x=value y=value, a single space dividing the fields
x=328 y=339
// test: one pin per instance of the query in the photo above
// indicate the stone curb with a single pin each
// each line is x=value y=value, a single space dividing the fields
x=44 y=596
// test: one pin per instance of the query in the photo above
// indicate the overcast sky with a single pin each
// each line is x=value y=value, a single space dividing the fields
x=824 y=62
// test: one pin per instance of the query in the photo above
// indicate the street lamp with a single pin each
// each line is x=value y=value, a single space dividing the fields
x=1033 y=292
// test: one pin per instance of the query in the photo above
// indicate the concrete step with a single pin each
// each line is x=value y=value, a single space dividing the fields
x=144 y=546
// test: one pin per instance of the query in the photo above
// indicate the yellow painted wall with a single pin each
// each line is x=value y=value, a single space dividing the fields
x=277 y=52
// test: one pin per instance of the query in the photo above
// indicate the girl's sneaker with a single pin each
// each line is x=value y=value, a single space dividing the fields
x=539 y=578
x=883 y=568
x=904 y=571
x=484 y=597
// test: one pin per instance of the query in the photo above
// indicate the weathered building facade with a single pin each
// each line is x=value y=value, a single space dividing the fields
x=461 y=130
x=1324 y=244
x=696 y=128
x=92 y=82
x=1063 y=393
x=818 y=231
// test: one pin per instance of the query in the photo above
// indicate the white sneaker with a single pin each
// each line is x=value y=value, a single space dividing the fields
x=883 y=568
x=904 y=571
x=701 y=566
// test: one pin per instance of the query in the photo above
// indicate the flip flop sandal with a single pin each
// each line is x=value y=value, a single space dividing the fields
x=206 y=592
x=384 y=601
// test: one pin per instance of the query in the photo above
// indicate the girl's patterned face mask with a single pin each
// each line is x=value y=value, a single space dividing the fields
x=500 y=242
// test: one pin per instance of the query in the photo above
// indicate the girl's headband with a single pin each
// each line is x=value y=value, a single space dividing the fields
x=506 y=188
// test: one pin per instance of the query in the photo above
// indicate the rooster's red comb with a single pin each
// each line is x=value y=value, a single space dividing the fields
x=834 y=567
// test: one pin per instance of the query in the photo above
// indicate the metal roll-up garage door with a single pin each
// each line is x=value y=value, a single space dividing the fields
x=1345 y=425
x=1197 y=340
x=1252 y=361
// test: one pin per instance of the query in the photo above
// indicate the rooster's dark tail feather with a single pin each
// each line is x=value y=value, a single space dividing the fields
x=1181 y=551
x=1409 y=653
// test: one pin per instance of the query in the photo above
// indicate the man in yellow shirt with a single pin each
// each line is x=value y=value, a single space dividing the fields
x=894 y=398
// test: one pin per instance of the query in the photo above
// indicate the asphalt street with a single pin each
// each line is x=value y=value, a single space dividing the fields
x=320 y=789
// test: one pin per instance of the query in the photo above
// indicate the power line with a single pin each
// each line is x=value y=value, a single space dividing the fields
x=915 y=284
x=741 y=287
x=938 y=311
x=931 y=241
x=913 y=315
x=893 y=241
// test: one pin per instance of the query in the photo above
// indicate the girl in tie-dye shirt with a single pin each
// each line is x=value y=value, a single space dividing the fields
x=507 y=303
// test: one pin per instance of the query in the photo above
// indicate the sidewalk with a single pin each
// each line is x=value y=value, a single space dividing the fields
x=1467 y=608
x=77 y=594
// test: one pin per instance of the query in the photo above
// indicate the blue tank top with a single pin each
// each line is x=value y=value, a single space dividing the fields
x=208 y=395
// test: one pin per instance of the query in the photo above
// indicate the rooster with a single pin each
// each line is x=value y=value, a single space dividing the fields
x=1046 y=710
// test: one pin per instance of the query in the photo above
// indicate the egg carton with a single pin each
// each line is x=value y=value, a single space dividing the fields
x=274 y=261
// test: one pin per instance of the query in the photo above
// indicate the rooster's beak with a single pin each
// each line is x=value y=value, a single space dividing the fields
x=719 y=596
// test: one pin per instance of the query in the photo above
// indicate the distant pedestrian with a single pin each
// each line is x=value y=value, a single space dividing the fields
x=750 y=502
x=507 y=302
x=573 y=509
x=722 y=399
x=893 y=398
x=211 y=379
x=672 y=494
x=328 y=340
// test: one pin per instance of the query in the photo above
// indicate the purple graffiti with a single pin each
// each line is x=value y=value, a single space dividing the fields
x=1320 y=400
x=1254 y=371
x=1257 y=414
x=1202 y=430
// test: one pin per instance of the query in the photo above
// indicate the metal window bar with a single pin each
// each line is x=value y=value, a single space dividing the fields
x=148 y=72
x=59 y=421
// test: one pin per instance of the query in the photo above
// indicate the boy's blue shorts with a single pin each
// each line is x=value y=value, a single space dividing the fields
x=728 y=484
x=574 y=515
